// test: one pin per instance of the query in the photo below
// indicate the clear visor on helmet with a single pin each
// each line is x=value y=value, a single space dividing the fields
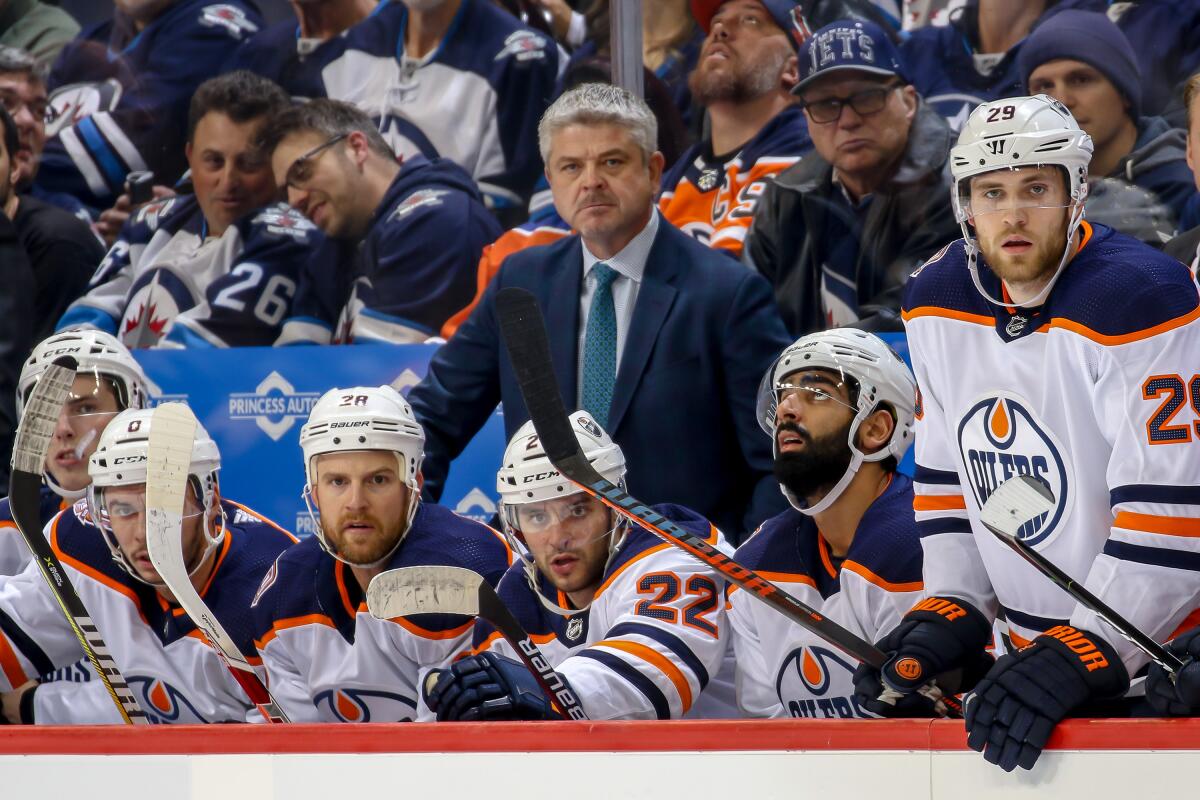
x=93 y=398
x=808 y=386
x=575 y=520
x=1023 y=188
x=124 y=506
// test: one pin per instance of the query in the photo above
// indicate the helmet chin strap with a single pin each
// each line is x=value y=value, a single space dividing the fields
x=973 y=253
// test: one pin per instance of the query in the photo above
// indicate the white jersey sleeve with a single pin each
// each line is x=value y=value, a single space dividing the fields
x=35 y=637
x=70 y=703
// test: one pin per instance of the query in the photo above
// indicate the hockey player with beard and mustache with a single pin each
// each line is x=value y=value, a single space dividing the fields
x=840 y=408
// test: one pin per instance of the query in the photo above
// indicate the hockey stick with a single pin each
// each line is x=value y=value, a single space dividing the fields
x=406 y=591
x=529 y=351
x=172 y=433
x=1011 y=511
x=34 y=434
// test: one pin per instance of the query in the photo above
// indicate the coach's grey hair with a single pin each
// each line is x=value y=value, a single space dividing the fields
x=598 y=103
x=14 y=59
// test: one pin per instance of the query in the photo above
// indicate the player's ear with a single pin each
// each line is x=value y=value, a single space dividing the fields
x=876 y=430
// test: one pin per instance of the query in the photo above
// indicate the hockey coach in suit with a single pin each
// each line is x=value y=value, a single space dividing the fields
x=661 y=339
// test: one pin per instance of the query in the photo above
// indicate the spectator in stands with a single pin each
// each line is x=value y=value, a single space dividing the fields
x=838 y=233
x=61 y=250
x=972 y=60
x=16 y=303
x=120 y=92
x=293 y=52
x=220 y=267
x=40 y=29
x=1186 y=246
x=419 y=227
x=459 y=79
x=640 y=316
x=1083 y=60
x=744 y=79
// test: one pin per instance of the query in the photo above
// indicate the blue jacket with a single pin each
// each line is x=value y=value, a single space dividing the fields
x=704 y=331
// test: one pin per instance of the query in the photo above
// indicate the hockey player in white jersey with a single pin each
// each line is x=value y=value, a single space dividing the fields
x=107 y=381
x=1047 y=346
x=327 y=658
x=634 y=625
x=838 y=406
x=101 y=541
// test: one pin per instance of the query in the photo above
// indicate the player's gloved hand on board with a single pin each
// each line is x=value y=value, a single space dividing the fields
x=486 y=686
x=1179 y=698
x=1015 y=707
x=940 y=636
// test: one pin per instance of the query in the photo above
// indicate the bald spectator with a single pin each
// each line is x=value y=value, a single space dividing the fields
x=837 y=234
x=1139 y=179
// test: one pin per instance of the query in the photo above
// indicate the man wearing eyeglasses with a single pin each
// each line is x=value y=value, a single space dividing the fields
x=419 y=226
x=837 y=234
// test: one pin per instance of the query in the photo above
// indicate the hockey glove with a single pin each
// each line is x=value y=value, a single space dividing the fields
x=486 y=686
x=1015 y=708
x=940 y=636
x=1180 y=698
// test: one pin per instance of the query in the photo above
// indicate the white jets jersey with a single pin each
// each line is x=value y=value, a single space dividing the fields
x=784 y=670
x=14 y=553
x=173 y=672
x=1096 y=392
x=328 y=660
x=653 y=643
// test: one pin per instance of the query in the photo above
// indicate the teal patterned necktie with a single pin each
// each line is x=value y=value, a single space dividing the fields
x=600 y=347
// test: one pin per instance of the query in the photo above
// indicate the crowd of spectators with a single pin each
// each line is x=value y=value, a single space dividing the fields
x=362 y=171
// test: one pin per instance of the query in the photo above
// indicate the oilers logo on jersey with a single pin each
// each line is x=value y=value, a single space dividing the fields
x=365 y=705
x=1000 y=437
x=806 y=675
x=162 y=702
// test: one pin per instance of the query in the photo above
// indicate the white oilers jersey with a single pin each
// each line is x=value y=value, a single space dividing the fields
x=14 y=553
x=653 y=644
x=476 y=99
x=1096 y=392
x=328 y=660
x=173 y=672
x=165 y=282
x=784 y=670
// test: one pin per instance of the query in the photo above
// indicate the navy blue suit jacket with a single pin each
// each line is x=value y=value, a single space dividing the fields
x=704 y=330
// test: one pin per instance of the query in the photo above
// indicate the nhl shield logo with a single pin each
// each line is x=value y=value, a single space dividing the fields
x=1000 y=437
x=575 y=628
x=707 y=180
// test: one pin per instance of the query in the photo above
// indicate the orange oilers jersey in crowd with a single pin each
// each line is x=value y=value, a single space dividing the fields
x=713 y=197
x=329 y=660
x=652 y=644
x=14 y=553
x=544 y=228
x=1097 y=393
x=173 y=672
x=784 y=670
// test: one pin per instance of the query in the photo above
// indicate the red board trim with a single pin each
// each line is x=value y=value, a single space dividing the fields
x=508 y=737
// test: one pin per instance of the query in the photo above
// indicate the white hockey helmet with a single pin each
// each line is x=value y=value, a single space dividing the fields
x=120 y=459
x=877 y=376
x=95 y=352
x=1019 y=132
x=363 y=418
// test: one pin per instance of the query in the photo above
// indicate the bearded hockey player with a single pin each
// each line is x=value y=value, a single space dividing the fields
x=327 y=658
x=634 y=625
x=1047 y=346
x=839 y=408
x=174 y=673
x=107 y=381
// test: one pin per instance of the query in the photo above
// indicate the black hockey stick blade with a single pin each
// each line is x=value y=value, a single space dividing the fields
x=406 y=591
x=34 y=434
x=1012 y=512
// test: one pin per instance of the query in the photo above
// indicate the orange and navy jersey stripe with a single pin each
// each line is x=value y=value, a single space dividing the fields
x=713 y=199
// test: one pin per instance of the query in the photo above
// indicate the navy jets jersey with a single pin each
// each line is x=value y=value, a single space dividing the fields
x=1096 y=392
x=784 y=670
x=120 y=96
x=166 y=282
x=14 y=553
x=414 y=269
x=476 y=99
x=174 y=673
x=329 y=660
x=653 y=643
